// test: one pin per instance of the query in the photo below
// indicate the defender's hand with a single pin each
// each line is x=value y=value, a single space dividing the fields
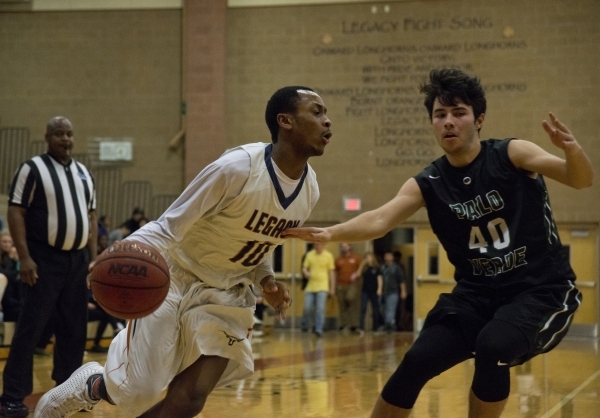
x=310 y=234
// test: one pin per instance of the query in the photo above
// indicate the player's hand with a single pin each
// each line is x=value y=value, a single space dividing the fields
x=310 y=234
x=277 y=295
x=559 y=134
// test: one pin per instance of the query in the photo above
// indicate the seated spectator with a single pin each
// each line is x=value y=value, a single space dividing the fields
x=143 y=221
x=133 y=223
x=45 y=340
x=102 y=242
x=10 y=284
x=96 y=313
x=104 y=224
x=118 y=234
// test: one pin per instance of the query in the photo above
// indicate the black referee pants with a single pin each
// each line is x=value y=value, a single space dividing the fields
x=60 y=296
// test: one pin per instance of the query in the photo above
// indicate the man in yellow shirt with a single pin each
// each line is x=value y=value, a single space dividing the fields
x=318 y=267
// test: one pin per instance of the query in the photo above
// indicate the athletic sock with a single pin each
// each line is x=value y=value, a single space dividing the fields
x=91 y=382
x=103 y=393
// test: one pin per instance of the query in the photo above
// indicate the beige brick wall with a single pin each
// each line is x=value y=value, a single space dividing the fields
x=367 y=60
x=113 y=74
x=119 y=74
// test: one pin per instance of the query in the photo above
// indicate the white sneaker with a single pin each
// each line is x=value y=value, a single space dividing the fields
x=71 y=396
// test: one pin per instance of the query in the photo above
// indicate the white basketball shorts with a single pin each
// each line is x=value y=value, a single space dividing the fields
x=194 y=320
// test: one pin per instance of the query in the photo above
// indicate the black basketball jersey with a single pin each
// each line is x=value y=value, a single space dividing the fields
x=495 y=222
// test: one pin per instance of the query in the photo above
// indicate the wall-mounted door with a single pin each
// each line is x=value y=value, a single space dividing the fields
x=433 y=273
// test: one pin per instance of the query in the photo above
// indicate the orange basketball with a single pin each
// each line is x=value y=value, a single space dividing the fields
x=130 y=279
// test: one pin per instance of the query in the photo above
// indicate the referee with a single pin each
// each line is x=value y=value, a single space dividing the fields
x=52 y=221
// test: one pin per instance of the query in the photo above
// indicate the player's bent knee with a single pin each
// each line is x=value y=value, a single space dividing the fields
x=500 y=343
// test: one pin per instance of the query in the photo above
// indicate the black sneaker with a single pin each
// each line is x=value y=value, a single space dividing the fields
x=98 y=349
x=13 y=410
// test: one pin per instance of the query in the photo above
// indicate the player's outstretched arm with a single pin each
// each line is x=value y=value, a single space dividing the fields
x=574 y=170
x=310 y=234
x=369 y=225
x=277 y=295
x=579 y=171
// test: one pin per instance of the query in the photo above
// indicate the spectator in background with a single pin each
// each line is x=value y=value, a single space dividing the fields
x=10 y=285
x=102 y=243
x=319 y=267
x=133 y=223
x=404 y=312
x=372 y=289
x=55 y=251
x=347 y=290
x=97 y=313
x=12 y=298
x=394 y=287
x=118 y=234
x=143 y=221
x=104 y=224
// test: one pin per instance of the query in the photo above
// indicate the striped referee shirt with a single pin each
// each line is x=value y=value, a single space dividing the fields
x=57 y=199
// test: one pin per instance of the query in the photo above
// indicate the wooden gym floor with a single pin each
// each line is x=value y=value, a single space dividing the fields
x=298 y=375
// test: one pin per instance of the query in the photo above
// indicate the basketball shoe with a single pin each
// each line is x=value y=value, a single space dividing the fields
x=70 y=397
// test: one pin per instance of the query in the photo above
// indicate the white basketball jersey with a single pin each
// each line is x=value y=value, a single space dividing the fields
x=222 y=248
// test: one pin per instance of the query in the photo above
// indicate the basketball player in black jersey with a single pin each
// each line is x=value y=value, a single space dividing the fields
x=488 y=205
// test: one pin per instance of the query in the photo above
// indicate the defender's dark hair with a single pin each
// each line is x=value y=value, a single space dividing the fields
x=449 y=84
x=284 y=100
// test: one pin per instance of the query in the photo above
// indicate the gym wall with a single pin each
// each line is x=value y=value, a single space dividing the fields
x=367 y=61
x=117 y=74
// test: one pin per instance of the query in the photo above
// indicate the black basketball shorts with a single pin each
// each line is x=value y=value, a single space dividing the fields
x=544 y=313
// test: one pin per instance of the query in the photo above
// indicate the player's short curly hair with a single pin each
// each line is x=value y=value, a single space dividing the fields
x=284 y=100
x=448 y=85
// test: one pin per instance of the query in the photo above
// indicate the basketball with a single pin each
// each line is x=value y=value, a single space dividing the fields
x=130 y=280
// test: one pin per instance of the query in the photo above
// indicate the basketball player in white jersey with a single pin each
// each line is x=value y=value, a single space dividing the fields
x=217 y=238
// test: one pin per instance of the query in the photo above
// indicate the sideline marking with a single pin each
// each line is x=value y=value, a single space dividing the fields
x=570 y=396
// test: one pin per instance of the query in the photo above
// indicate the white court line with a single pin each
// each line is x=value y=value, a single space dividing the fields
x=570 y=396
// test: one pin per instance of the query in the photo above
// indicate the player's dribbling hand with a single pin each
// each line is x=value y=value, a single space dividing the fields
x=277 y=295
x=310 y=234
